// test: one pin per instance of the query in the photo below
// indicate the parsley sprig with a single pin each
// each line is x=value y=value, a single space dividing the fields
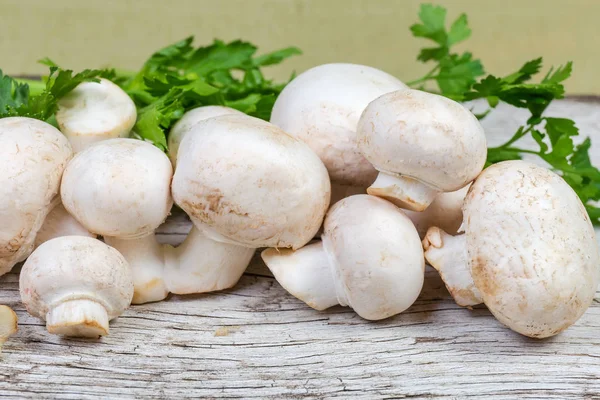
x=461 y=77
x=180 y=77
x=172 y=81
x=37 y=99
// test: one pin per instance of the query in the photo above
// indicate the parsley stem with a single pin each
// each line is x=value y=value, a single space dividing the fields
x=518 y=135
x=429 y=76
x=516 y=150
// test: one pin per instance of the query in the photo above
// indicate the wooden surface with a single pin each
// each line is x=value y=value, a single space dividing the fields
x=256 y=341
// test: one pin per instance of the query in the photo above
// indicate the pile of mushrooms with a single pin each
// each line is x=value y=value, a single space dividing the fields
x=403 y=172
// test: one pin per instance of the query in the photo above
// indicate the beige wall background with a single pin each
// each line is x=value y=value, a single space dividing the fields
x=123 y=33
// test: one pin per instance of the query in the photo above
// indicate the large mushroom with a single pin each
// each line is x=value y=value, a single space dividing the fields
x=529 y=250
x=76 y=284
x=370 y=259
x=422 y=144
x=246 y=182
x=322 y=107
x=33 y=155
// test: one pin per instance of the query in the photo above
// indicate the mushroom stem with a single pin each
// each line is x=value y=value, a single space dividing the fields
x=405 y=192
x=146 y=258
x=59 y=223
x=201 y=264
x=79 y=318
x=305 y=273
x=448 y=255
x=8 y=324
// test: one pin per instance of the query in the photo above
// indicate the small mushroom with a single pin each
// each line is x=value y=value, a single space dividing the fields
x=445 y=212
x=370 y=259
x=421 y=144
x=33 y=155
x=120 y=189
x=322 y=107
x=529 y=250
x=189 y=119
x=8 y=324
x=77 y=284
x=95 y=111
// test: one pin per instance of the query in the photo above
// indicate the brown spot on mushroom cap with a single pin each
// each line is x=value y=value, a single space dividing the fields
x=214 y=200
x=483 y=275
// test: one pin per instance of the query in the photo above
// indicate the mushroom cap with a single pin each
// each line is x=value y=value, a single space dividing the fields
x=119 y=188
x=95 y=111
x=33 y=156
x=251 y=182
x=424 y=136
x=182 y=127
x=377 y=255
x=75 y=267
x=445 y=212
x=531 y=247
x=322 y=107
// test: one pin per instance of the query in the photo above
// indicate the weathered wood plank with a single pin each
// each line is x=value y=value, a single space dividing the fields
x=256 y=341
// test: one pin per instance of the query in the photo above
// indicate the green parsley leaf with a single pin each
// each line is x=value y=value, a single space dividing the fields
x=12 y=94
x=558 y=76
x=454 y=73
x=456 y=77
x=180 y=77
x=459 y=31
x=16 y=99
x=433 y=19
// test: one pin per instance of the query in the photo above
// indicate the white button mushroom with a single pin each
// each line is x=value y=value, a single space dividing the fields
x=322 y=106
x=246 y=182
x=95 y=111
x=445 y=212
x=190 y=118
x=370 y=258
x=77 y=284
x=421 y=144
x=529 y=250
x=33 y=156
x=120 y=189
x=8 y=324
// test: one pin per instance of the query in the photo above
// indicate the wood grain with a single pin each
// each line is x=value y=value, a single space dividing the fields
x=256 y=341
